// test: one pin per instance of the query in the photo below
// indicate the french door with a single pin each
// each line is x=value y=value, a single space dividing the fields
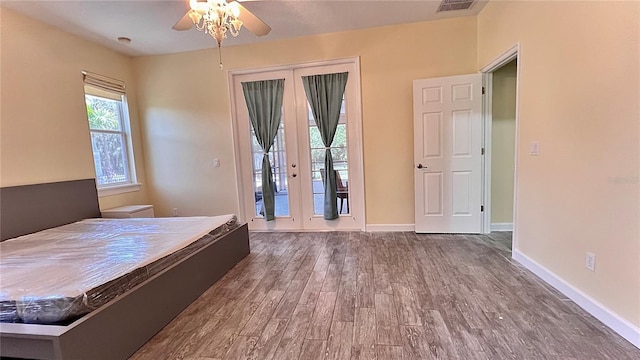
x=297 y=156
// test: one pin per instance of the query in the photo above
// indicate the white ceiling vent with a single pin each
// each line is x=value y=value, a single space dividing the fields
x=450 y=5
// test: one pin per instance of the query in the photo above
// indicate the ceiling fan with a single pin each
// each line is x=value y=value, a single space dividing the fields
x=221 y=15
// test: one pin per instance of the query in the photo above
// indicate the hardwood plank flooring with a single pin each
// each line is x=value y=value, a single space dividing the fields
x=385 y=296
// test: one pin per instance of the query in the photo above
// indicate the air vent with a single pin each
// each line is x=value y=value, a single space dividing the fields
x=451 y=5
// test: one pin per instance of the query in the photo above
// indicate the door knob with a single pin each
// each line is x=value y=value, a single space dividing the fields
x=420 y=166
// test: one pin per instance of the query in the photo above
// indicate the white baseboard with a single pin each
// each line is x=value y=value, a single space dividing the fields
x=390 y=227
x=502 y=227
x=621 y=326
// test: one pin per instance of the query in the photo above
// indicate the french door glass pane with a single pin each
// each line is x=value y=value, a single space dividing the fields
x=278 y=160
x=340 y=163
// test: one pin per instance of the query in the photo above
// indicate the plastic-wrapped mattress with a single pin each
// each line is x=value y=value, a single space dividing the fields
x=57 y=275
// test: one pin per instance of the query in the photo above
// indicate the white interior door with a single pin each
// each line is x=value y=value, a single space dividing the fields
x=297 y=157
x=448 y=154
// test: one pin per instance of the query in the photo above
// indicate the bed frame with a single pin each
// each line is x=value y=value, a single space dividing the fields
x=120 y=327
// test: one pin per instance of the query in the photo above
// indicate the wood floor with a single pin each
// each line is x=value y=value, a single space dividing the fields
x=382 y=296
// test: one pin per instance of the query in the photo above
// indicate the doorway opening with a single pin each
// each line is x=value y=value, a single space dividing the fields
x=500 y=135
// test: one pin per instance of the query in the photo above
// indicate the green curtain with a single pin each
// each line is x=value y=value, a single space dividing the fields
x=325 y=93
x=264 y=102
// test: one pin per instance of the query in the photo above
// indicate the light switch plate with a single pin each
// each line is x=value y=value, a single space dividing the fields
x=534 y=148
x=590 y=261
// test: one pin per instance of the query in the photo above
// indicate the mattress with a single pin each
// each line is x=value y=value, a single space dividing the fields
x=58 y=275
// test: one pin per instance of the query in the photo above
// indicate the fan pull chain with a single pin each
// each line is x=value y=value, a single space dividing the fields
x=220 y=56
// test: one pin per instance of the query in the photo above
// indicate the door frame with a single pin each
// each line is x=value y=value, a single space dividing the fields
x=357 y=203
x=487 y=74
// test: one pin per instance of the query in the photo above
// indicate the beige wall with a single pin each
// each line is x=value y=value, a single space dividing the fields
x=45 y=134
x=579 y=90
x=503 y=141
x=184 y=104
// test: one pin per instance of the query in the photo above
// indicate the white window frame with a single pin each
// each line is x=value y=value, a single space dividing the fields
x=106 y=88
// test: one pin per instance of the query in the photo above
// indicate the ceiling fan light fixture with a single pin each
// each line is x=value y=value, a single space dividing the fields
x=235 y=9
x=199 y=6
x=216 y=17
x=195 y=16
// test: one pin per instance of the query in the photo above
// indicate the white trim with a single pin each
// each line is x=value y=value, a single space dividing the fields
x=515 y=52
x=502 y=227
x=126 y=118
x=487 y=122
x=303 y=230
x=241 y=214
x=621 y=326
x=390 y=227
x=118 y=189
x=347 y=60
x=502 y=60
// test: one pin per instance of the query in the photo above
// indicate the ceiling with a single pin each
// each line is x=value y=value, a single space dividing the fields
x=148 y=22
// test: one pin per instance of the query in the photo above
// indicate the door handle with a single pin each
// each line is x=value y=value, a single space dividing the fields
x=420 y=166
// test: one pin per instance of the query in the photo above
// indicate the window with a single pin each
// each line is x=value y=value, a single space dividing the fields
x=108 y=117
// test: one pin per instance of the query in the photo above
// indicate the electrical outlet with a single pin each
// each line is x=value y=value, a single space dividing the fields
x=175 y=211
x=590 y=261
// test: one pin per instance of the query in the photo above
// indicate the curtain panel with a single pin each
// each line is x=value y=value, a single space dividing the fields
x=325 y=93
x=264 y=103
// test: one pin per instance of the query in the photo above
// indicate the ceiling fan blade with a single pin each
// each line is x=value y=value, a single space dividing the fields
x=183 y=24
x=252 y=22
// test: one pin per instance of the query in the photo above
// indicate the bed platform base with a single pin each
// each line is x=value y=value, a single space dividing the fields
x=120 y=327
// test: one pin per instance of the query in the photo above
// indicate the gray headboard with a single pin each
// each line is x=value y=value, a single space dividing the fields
x=29 y=208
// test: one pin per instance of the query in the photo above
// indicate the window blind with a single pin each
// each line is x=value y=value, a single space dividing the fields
x=104 y=82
